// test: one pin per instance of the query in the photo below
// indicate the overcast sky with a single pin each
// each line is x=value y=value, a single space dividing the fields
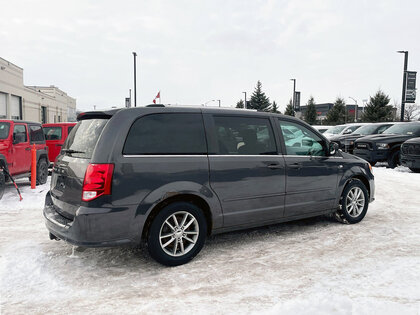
x=196 y=51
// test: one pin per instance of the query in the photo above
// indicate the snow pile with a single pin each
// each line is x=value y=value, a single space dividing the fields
x=313 y=266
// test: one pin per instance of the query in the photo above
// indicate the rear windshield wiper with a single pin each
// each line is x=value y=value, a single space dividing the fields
x=70 y=151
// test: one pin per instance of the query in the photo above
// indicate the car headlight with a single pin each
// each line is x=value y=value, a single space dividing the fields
x=382 y=146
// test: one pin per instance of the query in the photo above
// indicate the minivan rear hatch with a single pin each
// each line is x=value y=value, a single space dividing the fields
x=69 y=170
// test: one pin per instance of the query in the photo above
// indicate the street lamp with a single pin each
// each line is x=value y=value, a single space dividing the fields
x=135 y=80
x=219 y=102
x=245 y=100
x=404 y=82
x=208 y=102
x=294 y=92
x=355 y=110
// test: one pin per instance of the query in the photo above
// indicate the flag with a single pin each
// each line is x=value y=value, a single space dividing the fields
x=157 y=97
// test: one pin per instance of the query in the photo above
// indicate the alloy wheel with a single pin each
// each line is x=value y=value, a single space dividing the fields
x=179 y=233
x=355 y=202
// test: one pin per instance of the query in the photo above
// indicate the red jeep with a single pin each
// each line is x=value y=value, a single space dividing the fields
x=55 y=135
x=16 y=141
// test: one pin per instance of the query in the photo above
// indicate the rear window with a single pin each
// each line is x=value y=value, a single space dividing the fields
x=4 y=130
x=52 y=133
x=36 y=134
x=82 y=141
x=166 y=134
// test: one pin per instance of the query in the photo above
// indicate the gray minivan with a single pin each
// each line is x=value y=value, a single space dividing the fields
x=171 y=176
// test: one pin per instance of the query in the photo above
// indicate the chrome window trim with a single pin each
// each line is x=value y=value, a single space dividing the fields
x=223 y=155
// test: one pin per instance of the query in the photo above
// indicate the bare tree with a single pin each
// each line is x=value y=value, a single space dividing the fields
x=411 y=111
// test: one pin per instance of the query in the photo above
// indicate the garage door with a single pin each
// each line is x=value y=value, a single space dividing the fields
x=3 y=108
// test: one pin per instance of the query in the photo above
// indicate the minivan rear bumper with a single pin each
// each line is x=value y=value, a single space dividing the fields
x=91 y=227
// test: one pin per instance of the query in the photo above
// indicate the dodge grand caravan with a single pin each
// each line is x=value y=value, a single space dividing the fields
x=171 y=176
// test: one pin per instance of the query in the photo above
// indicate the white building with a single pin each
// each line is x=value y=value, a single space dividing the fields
x=32 y=103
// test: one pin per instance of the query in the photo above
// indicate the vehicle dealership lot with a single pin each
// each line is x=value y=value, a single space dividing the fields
x=309 y=266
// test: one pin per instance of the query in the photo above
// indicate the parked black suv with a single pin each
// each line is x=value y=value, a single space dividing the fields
x=386 y=146
x=346 y=141
x=171 y=176
x=410 y=154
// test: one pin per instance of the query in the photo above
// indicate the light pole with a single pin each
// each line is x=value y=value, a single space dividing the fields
x=245 y=100
x=355 y=110
x=404 y=82
x=294 y=92
x=135 y=80
x=219 y=102
x=205 y=104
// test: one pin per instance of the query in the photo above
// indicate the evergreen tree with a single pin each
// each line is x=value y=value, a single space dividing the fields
x=259 y=100
x=378 y=108
x=310 y=113
x=289 y=109
x=240 y=104
x=275 y=108
x=337 y=114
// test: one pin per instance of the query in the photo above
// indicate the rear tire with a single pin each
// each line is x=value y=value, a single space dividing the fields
x=177 y=234
x=354 y=203
x=2 y=184
x=394 y=159
x=41 y=172
x=415 y=170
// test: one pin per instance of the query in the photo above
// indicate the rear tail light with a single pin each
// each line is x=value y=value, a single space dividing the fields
x=97 y=182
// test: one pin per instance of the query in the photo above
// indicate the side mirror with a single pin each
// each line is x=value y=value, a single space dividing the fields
x=333 y=148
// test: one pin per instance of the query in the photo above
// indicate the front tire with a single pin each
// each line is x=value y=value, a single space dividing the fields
x=177 y=234
x=354 y=203
x=394 y=159
x=41 y=172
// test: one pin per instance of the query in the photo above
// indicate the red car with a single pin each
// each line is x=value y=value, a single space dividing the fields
x=55 y=135
x=16 y=141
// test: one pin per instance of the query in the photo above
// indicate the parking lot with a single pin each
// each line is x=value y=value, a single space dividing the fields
x=310 y=266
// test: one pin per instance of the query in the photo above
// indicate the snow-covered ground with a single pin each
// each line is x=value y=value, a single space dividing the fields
x=313 y=266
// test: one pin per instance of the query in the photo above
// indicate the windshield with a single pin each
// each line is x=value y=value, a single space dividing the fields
x=82 y=140
x=336 y=129
x=404 y=129
x=4 y=130
x=366 y=130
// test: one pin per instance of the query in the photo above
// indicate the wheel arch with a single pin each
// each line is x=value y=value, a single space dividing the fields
x=182 y=197
x=363 y=178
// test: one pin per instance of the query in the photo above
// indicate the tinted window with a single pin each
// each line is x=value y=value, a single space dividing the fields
x=19 y=133
x=82 y=141
x=244 y=136
x=36 y=133
x=4 y=130
x=299 y=140
x=52 y=133
x=167 y=134
x=69 y=129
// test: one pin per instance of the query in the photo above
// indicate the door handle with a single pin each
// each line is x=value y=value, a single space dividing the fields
x=58 y=145
x=295 y=165
x=274 y=166
x=27 y=149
